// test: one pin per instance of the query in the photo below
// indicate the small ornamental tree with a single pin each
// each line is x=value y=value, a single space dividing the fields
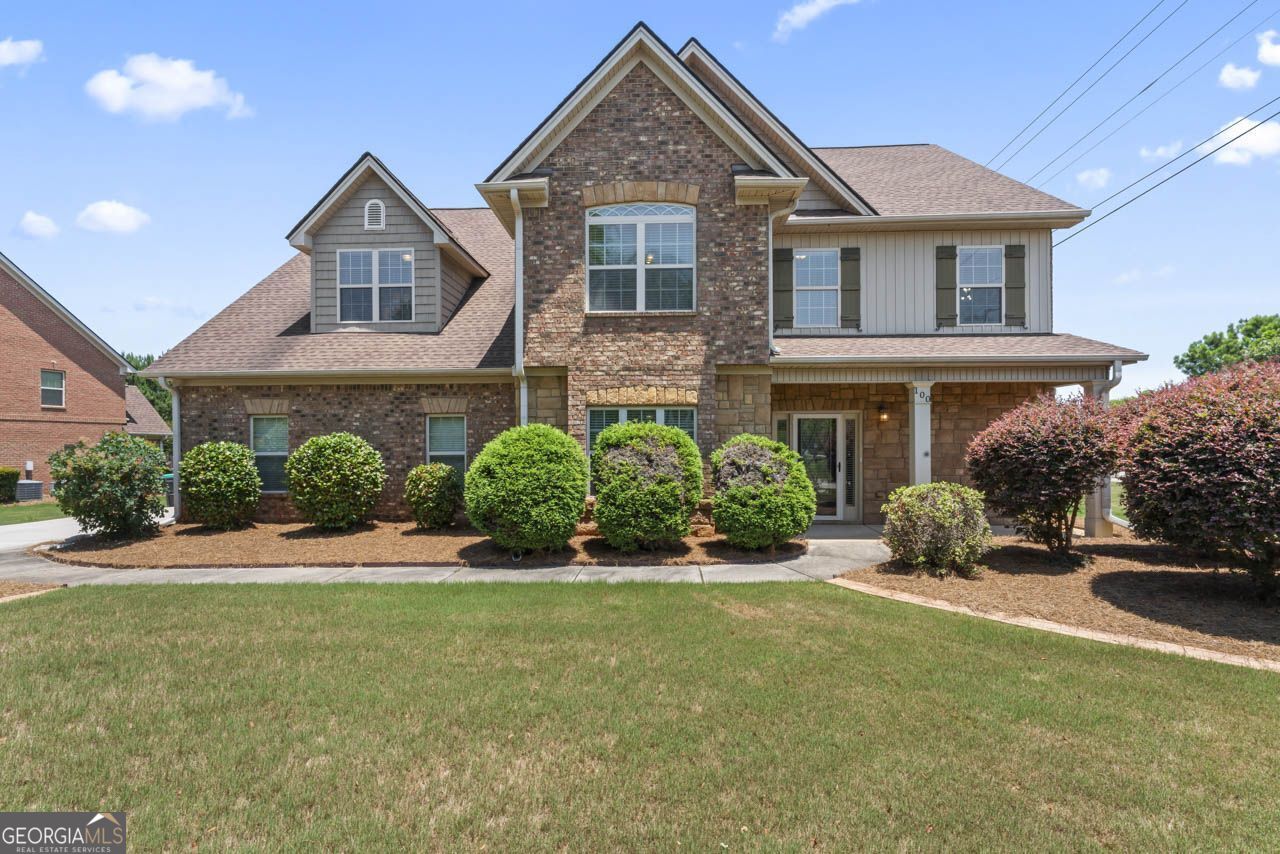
x=763 y=495
x=220 y=484
x=335 y=480
x=527 y=488
x=1202 y=468
x=114 y=488
x=434 y=494
x=939 y=527
x=648 y=480
x=1035 y=463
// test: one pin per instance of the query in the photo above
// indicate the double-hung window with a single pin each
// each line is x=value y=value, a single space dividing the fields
x=447 y=440
x=598 y=419
x=269 y=439
x=53 y=388
x=980 y=284
x=640 y=258
x=817 y=287
x=375 y=285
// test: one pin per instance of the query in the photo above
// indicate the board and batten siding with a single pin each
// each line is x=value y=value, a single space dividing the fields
x=344 y=229
x=898 y=273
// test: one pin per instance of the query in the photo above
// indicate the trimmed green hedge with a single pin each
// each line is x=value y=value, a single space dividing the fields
x=434 y=494
x=335 y=480
x=648 y=479
x=527 y=488
x=114 y=488
x=9 y=484
x=220 y=484
x=940 y=527
x=763 y=495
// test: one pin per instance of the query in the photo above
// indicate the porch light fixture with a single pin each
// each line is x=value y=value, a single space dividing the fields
x=883 y=412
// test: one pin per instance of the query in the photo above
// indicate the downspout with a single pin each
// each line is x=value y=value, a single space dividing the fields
x=175 y=415
x=1104 y=393
x=518 y=369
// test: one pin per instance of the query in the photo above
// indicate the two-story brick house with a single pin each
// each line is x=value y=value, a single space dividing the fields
x=660 y=247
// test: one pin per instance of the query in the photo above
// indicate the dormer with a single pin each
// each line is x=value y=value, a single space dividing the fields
x=380 y=261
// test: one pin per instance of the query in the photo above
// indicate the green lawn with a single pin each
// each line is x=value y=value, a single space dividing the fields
x=12 y=514
x=616 y=717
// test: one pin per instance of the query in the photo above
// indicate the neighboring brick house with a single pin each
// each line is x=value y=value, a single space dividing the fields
x=59 y=382
x=661 y=247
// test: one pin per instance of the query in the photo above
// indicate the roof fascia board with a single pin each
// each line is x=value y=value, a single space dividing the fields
x=1071 y=217
x=694 y=48
x=940 y=361
x=365 y=375
x=63 y=313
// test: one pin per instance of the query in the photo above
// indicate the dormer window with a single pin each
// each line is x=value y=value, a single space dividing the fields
x=375 y=215
x=375 y=285
x=640 y=258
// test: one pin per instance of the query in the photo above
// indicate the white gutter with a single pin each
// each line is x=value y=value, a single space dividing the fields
x=518 y=369
x=945 y=361
x=1077 y=214
x=175 y=415
x=344 y=372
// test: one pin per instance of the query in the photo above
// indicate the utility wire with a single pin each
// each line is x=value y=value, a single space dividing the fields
x=1096 y=81
x=1166 y=180
x=1061 y=94
x=1144 y=89
x=1166 y=93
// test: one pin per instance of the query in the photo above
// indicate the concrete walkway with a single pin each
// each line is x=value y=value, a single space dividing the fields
x=27 y=534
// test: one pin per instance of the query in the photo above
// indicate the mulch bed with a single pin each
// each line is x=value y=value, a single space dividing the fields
x=1120 y=585
x=13 y=588
x=380 y=544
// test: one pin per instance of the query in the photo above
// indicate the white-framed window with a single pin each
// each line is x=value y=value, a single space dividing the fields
x=375 y=285
x=375 y=215
x=269 y=439
x=684 y=417
x=816 y=287
x=640 y=257
x=447 y=440
x=980 y=285
x=53 y=388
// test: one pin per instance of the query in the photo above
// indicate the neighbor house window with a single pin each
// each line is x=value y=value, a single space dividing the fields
x=375 y=285
x=375 y=215
x=598 y=419
x=269 y=439
x=817 y=287
x=53 y=388
x=980 y=284
x=640 y=258
x=447 y=440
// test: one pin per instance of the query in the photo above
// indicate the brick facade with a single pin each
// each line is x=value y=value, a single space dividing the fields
x=392 y=418
x=34 y=337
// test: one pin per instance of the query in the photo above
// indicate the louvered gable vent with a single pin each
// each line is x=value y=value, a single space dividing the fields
x=374 y=216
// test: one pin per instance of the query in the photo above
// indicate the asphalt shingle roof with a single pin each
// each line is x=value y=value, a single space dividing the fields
x=140 y=417
x=953 y=349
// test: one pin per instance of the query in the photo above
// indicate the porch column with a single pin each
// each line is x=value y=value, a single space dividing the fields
x=1097 y=504
x=920 y=430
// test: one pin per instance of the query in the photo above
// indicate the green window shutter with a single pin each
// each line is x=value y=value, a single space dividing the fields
x=1015 y=285
x=783 y=282
x=945 y=286
x=851 y=287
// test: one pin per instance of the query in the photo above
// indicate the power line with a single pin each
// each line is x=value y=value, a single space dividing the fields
x=1096 y=81
x=1166 y=93
x=1144 y=89
x=1104 y=55
x=1159 y=184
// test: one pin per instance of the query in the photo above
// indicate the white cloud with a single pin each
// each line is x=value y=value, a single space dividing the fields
x=162 y=304
x=1094 y=179
x=1262 y=142
x=1137 y=274
x=112 y=216
x=802 y=15
x=739 y=45
x=1233 y=76
x=163 y=89
x=20 y=53
x=33 y=224
x=1268 y=50
x=1161 y=152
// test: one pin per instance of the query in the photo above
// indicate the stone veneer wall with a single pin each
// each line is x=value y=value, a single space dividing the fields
x=962 y=410
x=548 y=399
x=392 y=418
x=743 y=405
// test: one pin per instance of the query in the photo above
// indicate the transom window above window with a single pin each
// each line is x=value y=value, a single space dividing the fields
x=53 y=388
x=375 y=285
x=640 y=257
x=980 y=284
x=817 y=287
x=598 y=419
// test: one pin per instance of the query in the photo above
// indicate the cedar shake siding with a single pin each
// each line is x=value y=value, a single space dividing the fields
x=344 y=229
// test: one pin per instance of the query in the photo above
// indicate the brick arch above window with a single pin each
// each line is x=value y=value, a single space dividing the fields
x=639 y=191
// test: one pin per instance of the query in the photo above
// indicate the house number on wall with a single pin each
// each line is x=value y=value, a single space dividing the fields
x=923 y=396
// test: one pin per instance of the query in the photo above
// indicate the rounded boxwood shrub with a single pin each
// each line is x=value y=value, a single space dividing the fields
x=220 y=484
x=763 y=496
x=527 y=488
x=114 y=488
x=939 y=527
x=434 y=494
x=1202 y=468
x=648 y=480
x=335 y=480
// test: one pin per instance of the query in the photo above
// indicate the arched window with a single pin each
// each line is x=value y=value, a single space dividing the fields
x=375 y=218
x=640 y=257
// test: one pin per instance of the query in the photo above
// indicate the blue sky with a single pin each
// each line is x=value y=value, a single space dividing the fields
x=210 y=170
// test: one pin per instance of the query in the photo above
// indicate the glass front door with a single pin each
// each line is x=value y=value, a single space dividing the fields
x=818 y=442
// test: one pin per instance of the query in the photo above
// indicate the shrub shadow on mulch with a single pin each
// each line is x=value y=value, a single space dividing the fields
x=1216 y=602
x=1032 y=560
